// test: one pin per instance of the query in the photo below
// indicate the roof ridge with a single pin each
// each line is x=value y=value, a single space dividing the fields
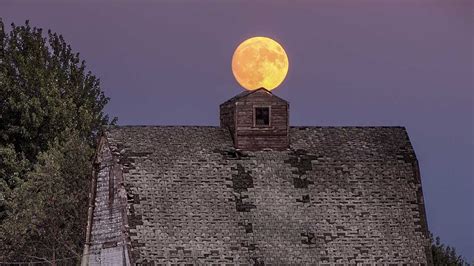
x=247 y=93
x=216 y=126
x=161 y=126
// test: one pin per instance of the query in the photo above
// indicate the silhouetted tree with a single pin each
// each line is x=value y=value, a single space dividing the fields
x=445 y=255
x=51 y=109
x=47 y=212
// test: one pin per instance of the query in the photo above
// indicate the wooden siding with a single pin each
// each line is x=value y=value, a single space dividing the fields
x=108 y=240
x=239 y=117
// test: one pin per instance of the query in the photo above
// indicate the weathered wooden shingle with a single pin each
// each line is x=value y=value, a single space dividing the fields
x=337 y=195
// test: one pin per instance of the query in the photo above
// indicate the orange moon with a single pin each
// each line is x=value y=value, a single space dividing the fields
x=259 y=62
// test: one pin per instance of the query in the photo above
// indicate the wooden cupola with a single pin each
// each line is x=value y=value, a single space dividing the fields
x=256 y=120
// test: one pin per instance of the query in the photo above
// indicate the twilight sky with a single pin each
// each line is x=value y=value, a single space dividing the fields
x=352 y=62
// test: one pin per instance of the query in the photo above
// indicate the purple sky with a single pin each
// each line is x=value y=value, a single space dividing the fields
x=354 y=62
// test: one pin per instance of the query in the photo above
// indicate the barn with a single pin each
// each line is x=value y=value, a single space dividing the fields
x=256 y=190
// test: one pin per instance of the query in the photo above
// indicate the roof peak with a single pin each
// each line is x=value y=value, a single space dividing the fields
x=249 y=92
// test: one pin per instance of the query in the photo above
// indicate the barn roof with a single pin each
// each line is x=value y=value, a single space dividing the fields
x=247 y=93
x=338 y=190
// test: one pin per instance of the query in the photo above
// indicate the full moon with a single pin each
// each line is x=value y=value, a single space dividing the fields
x=259 y=62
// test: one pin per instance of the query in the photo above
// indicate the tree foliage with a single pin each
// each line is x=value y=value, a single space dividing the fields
x=445 y=255
x=46 y=214
x=51 y=109
x=44 y=90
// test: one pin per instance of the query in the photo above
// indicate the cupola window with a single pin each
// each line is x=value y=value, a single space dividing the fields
x=262 y=116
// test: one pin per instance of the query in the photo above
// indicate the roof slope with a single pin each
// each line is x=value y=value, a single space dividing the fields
x=249 y=92
x=339 y=194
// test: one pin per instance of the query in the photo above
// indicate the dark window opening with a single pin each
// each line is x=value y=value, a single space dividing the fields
x=262 y=116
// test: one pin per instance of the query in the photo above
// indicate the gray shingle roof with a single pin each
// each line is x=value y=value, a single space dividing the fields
x=339 y=194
